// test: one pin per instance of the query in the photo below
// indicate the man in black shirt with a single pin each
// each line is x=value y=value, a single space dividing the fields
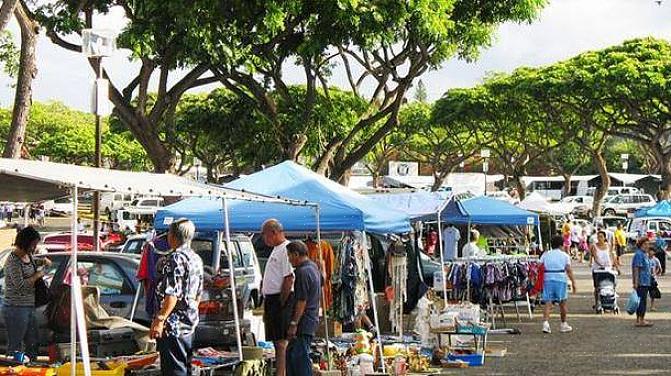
x=305 y=317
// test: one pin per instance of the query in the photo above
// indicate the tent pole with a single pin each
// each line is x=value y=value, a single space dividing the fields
x=468 y=275
x=234 y=295
x=442 y=259
x=540 y=237
x=73 y=275
x=369 y=262
x=322 y=269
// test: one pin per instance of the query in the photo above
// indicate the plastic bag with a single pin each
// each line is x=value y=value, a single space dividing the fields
x=633 y=302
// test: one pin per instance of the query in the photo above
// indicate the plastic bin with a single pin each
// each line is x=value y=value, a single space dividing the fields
x=473 y=360
x=64 y=370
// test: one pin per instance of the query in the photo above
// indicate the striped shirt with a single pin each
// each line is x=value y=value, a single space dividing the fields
x=18 y=291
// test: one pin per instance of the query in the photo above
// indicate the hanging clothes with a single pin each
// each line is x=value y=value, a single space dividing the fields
x=328 y=266
x=148 y=271
x=399 y=277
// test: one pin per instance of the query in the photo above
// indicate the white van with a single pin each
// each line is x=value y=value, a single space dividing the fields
x=614 y=191
x=111 y=201
x=127 y=218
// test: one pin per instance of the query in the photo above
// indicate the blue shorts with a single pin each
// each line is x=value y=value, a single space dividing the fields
x=554 y=291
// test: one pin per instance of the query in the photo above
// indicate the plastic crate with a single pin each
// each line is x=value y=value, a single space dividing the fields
x=473 y=360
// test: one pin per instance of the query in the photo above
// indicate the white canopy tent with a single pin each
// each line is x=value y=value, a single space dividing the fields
x=536 y=202
x=29 y=181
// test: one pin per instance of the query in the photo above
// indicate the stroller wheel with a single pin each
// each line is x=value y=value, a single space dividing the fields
x=616 y=311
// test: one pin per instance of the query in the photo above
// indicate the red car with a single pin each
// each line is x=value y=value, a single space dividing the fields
x=63 y=241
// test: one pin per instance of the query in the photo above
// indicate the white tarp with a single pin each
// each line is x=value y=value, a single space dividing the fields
x=29 y=181
x=536 y=202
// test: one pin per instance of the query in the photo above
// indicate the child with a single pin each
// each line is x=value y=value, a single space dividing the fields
x=655 y=271
x=583 y=246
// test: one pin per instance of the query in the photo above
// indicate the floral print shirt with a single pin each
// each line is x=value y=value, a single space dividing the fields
x=181 y=276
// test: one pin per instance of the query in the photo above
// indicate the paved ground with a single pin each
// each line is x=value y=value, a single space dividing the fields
x=599 y=345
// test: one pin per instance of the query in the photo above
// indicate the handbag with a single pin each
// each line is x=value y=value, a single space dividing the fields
x=42 y=293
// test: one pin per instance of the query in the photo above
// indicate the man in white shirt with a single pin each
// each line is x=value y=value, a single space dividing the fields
x=278 y=281
x=471 y=249
x=451 y=238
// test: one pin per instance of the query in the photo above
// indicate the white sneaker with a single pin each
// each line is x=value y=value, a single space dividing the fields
x=546 y=327
x=565 y=328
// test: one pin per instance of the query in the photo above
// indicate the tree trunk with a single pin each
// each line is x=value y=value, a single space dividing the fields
x=293 y=149
x=24 y=91
x=519 y=186
x=344 y=178
x=439 y=179
x=566 y=191
x=6 y=11
x=600 y=192
x=665 y=185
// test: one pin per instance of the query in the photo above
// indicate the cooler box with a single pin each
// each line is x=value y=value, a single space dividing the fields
x=473 y=360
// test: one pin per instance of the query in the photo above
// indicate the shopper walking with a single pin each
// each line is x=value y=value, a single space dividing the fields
x=305 y=316
x=641 y=279
x=557 y=266
x=620 y=243
x=178 y=293
x=21 y=273
x=278 y=281
x=655 y=272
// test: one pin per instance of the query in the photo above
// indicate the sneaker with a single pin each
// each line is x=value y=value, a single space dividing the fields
x=565 y=328
x=546 y=327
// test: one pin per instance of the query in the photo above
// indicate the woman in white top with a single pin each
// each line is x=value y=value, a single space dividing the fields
x=601 y=258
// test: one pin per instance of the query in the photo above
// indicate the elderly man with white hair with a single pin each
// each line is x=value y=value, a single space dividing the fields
x=178 y=293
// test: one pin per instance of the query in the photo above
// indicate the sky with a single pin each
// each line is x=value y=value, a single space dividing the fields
x=563 y=29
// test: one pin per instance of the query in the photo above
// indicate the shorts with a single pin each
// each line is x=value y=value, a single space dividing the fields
x=276 y=318
x=619 y=250
x=554 y=291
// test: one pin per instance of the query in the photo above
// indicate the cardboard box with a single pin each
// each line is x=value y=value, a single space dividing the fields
x=334 y=327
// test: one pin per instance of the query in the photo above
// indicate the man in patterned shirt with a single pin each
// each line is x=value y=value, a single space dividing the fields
x=178 y=292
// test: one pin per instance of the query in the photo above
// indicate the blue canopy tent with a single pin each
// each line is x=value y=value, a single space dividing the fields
x=340 y=209
x=485 y=210
x=662 y=209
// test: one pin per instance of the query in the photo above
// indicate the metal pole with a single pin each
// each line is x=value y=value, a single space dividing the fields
x=135 y=300
x=98 y=163
x=442 y=259
x=540 y=237
x=322 y=269
x=373 y=298
x=73 y=275
x=234 y=293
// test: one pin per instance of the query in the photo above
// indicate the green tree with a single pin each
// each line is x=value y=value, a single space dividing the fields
x=438 y=135
x=67 y=136
x=387 y=44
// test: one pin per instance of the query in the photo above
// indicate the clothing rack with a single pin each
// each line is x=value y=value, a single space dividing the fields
x=492 y=308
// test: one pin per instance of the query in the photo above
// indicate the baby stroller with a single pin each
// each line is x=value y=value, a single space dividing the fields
x=606 y=281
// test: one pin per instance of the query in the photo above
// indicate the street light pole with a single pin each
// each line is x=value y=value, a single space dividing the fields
x=97 y=43
x=484 y=154
x=625 y=165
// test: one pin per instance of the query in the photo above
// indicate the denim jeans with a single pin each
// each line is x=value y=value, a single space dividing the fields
x=642 y=292
x=176 y=354
x=298 y=356
x=21 y=329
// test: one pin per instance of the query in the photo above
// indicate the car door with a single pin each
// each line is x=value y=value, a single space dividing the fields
x=116 y=290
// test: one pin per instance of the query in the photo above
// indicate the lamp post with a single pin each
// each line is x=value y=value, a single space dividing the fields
x=625 y=165
x=96 y=44
x=484 y=154
x=196 y=164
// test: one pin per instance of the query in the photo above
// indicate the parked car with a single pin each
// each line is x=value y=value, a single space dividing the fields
x=62 y=241
x=61 y=206
x=147 y=203
x=614 y=191
x=244 y=258
x=637 y=227
x=429 y=267
x=626 y=203
x=609 y=222
x=114 y=274
x=580 y=205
